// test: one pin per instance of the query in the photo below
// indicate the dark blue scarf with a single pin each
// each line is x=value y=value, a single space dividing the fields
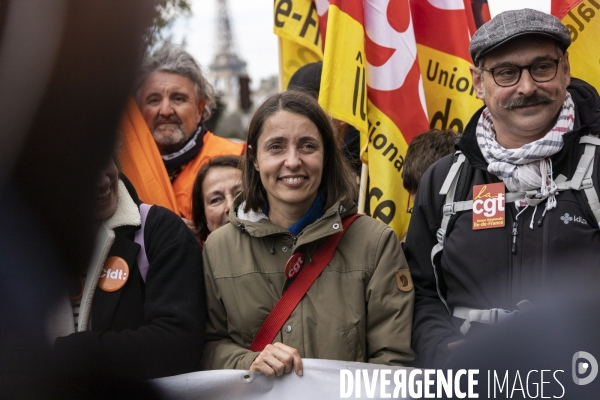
x=315 y=212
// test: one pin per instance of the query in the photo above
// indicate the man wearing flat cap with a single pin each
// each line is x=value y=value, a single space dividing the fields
x=511 y=219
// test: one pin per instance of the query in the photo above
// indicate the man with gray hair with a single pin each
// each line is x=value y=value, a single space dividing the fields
x=512 y=218
x=175 y=100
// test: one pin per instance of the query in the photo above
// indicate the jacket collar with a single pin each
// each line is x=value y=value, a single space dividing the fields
x=587 y=118
x=251 y=215
x=257 y=224
x=127 y=212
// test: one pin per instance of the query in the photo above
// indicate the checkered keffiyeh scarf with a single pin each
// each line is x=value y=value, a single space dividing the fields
x=522 y=169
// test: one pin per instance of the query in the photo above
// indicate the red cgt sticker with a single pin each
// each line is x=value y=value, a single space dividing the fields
x=294 y=265
x=488 y=206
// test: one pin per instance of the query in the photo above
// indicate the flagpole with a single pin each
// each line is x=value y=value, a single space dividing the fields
x=362 y=187
x=280 y=46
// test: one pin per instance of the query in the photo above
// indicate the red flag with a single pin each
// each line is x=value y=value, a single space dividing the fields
x=371 y=80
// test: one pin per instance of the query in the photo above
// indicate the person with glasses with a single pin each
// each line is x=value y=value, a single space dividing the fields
x=541 y=236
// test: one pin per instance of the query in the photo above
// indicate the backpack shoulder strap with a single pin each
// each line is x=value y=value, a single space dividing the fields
x=449 y=208
x=587 y=183
x=582 y=178
x=456 y=186
x=142 y=258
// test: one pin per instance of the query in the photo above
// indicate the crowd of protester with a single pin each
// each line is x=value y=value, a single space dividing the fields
x=170 y=291
x=266 y=218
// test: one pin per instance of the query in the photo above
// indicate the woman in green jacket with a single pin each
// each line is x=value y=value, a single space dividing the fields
x=297 y=190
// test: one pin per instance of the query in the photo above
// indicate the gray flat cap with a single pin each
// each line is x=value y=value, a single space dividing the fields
x=511 y=24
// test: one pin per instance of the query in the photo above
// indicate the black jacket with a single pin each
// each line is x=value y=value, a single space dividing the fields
x=151 y=329
x=478 y=269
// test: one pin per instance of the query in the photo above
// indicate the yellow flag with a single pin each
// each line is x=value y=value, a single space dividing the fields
x=297 y=25
x=451 y=100
x=343 y=92
x=442 y=34
x=583 y=22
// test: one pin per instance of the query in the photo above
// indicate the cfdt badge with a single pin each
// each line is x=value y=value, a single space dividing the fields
x=488 y=206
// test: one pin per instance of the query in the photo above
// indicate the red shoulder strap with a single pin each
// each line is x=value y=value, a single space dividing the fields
x=298 y=288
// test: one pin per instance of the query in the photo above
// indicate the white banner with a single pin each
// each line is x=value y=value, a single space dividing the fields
x=322 y=380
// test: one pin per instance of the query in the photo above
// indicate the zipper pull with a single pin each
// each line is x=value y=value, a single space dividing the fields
x=515 y=232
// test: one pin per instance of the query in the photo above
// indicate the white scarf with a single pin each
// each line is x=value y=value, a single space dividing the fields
x=522 y=169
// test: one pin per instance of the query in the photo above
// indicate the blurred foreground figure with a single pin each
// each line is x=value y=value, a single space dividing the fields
x=515 y=216
x=172 y=143
x=139 y=312
x=66 y=68
x=550 y=352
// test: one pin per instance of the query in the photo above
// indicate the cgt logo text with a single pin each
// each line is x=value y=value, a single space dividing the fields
x=463 y=383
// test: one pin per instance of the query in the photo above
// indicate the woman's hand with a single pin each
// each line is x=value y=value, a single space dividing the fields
x=277 y=359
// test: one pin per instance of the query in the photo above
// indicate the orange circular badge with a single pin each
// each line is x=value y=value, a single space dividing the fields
x=114 y=274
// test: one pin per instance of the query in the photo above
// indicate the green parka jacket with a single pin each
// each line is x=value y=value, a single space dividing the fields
x=359 y=309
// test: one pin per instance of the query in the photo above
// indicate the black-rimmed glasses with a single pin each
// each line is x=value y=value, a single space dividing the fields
x=509 y=74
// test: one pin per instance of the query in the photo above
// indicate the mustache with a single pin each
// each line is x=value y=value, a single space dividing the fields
x=173 y=119
x=536 y=98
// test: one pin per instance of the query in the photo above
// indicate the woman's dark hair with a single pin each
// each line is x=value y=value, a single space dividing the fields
x=337 y=181
x=198 y=213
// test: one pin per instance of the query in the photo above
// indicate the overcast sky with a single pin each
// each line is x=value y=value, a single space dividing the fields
x=252 y=28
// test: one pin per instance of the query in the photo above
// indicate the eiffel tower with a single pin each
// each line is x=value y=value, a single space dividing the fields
x=227 y=66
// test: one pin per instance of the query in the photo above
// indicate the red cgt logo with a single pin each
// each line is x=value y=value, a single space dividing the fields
x=294 y=265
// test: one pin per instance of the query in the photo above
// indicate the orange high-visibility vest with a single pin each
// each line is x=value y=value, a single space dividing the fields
x=141 y=163
x=214 y=146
